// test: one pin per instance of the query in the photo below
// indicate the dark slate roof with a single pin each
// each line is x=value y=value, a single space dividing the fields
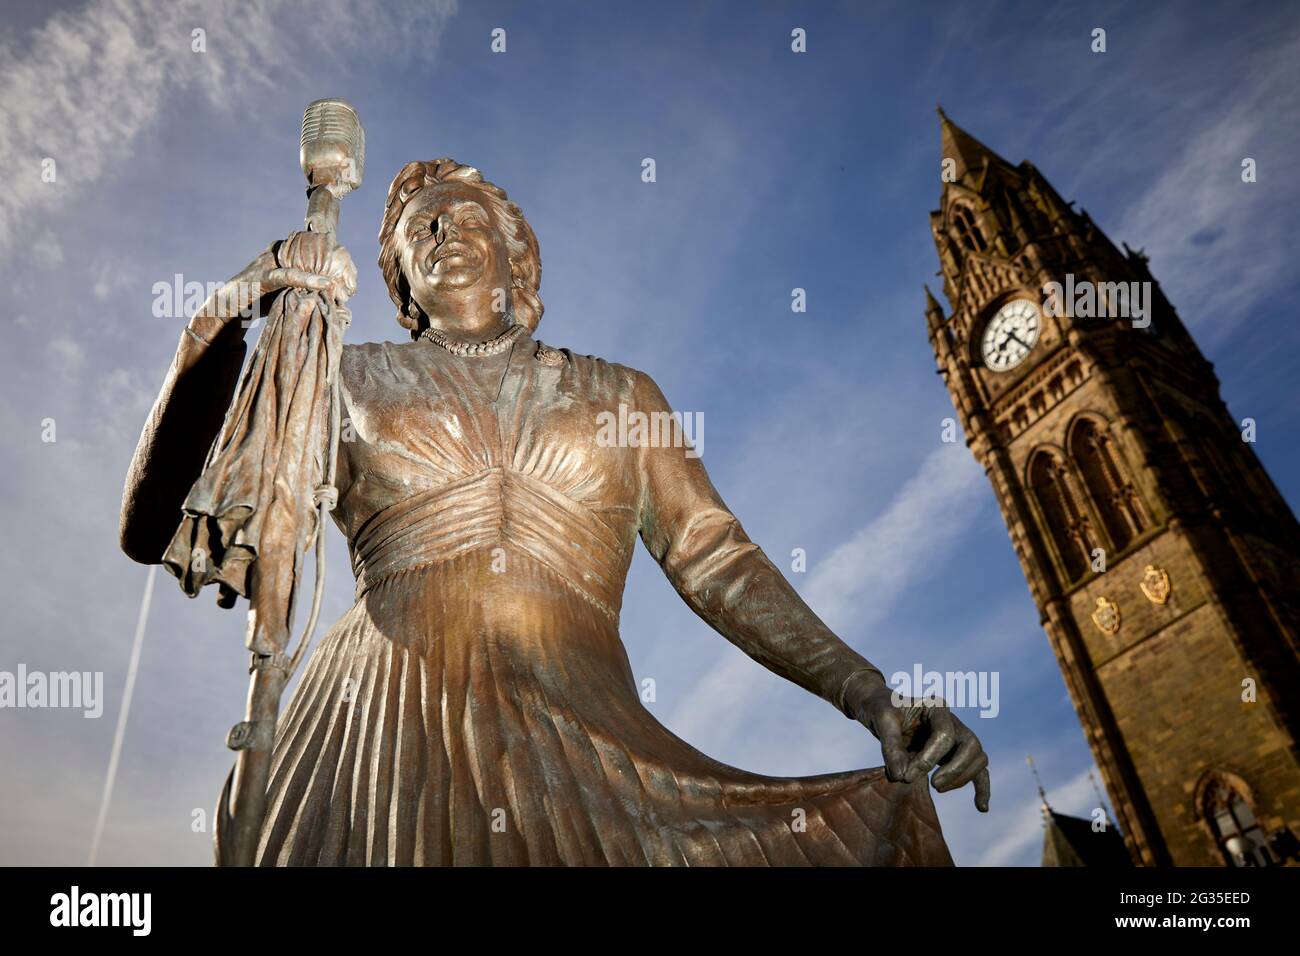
x=1070 y=841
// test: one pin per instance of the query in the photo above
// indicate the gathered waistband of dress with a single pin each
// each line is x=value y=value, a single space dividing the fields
x=489 y=509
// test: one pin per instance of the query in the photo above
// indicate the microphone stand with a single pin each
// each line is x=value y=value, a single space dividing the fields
x=332 y=162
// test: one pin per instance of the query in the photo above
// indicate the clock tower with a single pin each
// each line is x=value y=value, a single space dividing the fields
x=1164 y=562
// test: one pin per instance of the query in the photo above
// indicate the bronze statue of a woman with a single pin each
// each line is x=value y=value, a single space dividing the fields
x=476 y=705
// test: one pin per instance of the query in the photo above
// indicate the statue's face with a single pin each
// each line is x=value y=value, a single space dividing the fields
x=451 y=250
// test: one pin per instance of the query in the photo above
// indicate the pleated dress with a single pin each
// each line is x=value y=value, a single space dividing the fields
x=476 y=705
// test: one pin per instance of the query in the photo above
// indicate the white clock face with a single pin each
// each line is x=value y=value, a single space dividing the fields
x=1010 y=335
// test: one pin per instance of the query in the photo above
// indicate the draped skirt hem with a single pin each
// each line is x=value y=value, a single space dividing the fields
x=428 y=732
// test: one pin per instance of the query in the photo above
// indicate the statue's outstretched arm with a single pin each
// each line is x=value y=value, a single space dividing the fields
x=728 y=580
x=730 y=583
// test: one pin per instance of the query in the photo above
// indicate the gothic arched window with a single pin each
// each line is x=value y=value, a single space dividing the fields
x=1242 y=484
x=1228 y=814
x=968 y=230
x=1220 y=486
x=1009 y=231
x=1113 y=496
x=1066 y=520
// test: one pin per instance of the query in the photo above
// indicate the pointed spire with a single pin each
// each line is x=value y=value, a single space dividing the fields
x=933 y=310
x=1101 y=801
x=957 y=144
x=931 y=303
x=1042 y=794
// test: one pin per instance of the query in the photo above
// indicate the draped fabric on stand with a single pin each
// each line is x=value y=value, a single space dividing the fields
x=247 y=520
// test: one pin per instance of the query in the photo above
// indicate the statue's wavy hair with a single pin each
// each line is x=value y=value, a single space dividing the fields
x=521 y=244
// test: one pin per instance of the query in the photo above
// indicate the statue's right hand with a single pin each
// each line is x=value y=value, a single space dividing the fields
x=304 y=260
x=313 y=260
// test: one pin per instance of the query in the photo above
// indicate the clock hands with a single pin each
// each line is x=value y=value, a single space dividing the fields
x=999 y=352
x=1011 y=337
x=1017 y=323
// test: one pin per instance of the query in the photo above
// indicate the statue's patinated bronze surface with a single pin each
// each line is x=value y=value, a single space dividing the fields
x=476 y=704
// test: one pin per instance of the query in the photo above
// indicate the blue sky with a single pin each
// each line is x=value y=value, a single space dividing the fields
x=775 y=170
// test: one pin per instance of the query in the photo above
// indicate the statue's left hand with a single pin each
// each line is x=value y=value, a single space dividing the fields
x=917 y=735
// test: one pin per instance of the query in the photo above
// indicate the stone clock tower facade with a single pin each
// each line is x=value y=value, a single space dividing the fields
x=1164 y=563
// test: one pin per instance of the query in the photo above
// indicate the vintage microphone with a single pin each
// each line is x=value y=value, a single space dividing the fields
x=332 y=156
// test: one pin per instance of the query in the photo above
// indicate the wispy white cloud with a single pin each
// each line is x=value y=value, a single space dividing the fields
x=907 y=542
x=1019 y=825
x=67 y=356
x=89 y=84
x=1216 y=249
